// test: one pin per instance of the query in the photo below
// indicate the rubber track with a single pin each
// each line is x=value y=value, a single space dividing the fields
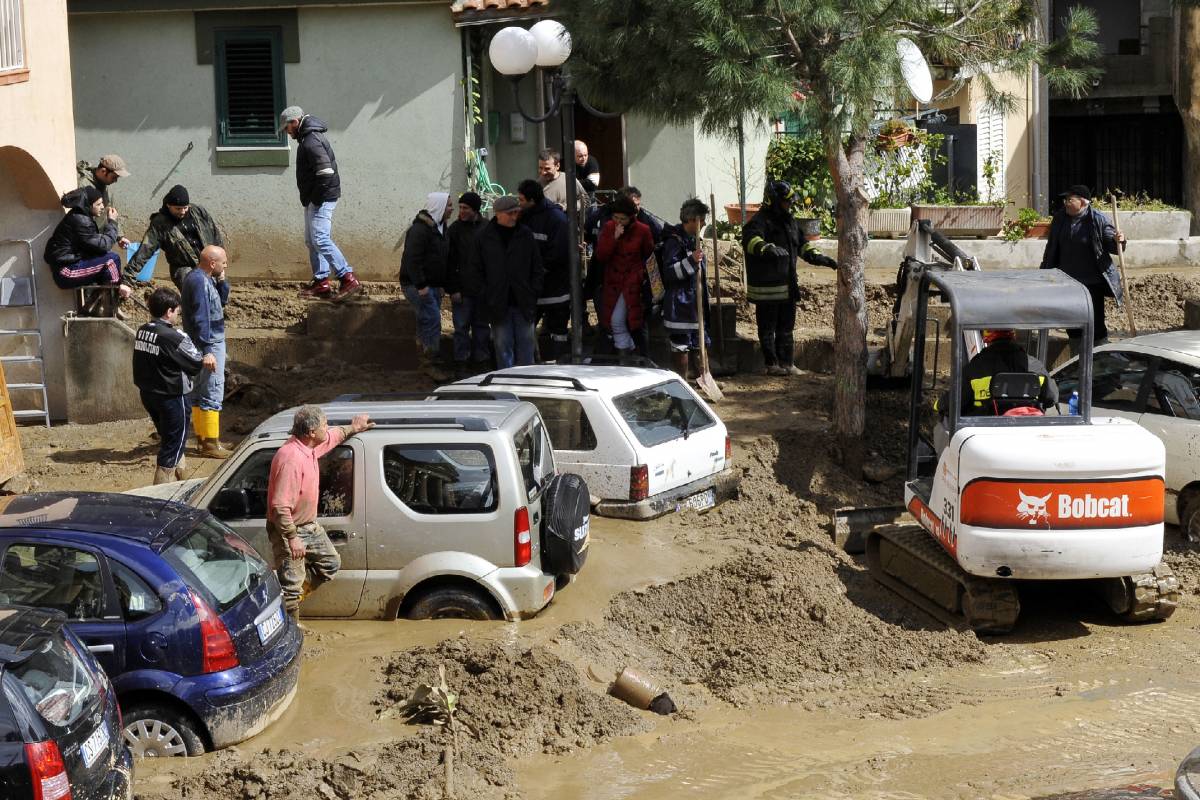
x=1155 y=595
x=988 y=605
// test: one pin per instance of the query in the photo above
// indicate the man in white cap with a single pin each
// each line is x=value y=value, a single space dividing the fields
x=108 y=171
x=320 y=187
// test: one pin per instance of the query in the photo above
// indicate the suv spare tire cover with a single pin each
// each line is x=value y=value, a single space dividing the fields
x=566 y=515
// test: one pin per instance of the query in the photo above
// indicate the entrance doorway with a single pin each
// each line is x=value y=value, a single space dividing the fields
x=605 y=138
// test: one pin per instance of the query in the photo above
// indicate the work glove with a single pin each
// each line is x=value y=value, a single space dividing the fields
x=774 y=251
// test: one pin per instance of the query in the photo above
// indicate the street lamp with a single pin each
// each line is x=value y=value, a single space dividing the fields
x=514 y=52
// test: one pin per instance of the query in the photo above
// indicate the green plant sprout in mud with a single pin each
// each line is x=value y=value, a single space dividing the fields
x=438 y=705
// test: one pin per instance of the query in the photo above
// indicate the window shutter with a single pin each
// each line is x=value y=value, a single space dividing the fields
x=12 y=36
x=249 y=86
x=991 y=141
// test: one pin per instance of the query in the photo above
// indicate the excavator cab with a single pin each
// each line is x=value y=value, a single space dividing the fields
x=1001 y=497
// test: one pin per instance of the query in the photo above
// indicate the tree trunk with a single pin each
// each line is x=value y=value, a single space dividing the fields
x=1187 y=98
x=850 y=309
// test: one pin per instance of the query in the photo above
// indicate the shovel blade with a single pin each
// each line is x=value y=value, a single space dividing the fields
x=708 y=385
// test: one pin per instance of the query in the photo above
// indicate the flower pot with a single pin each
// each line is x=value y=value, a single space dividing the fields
x=980 y=221
x=894 y=141
x=810 y=228
x=888 y=223
x=1038 y=230
x=733 y=212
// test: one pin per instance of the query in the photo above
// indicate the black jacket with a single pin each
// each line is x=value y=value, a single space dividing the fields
x=316 y=166
x=1003 y=355
x=164 y=359
x=504 y=277
x=180 y=240
x=1104 y=246
x=76 y=236
x=548 y=223
x=460 y=237
x=423 y=262
x=773 y=278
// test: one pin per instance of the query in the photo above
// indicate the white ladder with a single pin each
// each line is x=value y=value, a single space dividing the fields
x=19 y=297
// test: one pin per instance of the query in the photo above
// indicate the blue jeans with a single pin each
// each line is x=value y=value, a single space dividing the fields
x=429 y=315
x=209 y=391
x=323 y=254
x=472 y=335
x=513 y=340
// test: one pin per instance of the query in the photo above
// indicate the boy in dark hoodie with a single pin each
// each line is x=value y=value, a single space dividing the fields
x=423 y=270
x=78 y=251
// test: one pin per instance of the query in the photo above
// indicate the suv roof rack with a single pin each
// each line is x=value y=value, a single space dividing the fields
x=370 y=397
x=473 y=424
x=525 y=376
x=607 y=360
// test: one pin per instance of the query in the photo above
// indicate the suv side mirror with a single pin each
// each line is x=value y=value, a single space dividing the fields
x=230 y=504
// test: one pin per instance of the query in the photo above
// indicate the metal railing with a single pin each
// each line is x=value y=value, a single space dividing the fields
x=12 y=36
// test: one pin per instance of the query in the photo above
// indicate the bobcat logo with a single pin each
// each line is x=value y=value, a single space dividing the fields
x=1032 y=508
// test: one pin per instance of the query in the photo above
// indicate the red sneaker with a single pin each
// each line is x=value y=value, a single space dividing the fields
x=350 y=286
x=319 y=290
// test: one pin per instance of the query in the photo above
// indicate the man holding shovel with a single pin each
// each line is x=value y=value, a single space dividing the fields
x=1082 y=243
x=682 y=258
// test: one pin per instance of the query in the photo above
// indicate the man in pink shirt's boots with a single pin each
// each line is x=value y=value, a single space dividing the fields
x=304 y=556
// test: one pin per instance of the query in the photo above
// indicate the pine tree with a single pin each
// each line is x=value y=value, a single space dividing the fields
x=721 y=61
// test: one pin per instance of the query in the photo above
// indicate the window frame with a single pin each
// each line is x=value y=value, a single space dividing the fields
x=1138 y=404
x=1164 y=364
x=221 y=36
x=17 y=74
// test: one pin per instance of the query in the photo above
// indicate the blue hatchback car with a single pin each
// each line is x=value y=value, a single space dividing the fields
x=181 y=612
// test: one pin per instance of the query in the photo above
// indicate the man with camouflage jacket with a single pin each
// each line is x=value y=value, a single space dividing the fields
x=181 y=230
x=108 y=171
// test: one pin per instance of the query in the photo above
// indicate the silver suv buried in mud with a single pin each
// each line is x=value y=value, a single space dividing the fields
x=445 y=508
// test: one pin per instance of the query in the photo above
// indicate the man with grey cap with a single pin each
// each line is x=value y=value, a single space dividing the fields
x=320 y=188
x=304 y=557
x=505 y=272
x=108 y=171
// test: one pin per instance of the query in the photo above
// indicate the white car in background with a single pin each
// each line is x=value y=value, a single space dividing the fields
x=1153 y=380
x=644 y=441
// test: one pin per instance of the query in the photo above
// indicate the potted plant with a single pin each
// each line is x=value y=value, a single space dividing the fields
x=966 y=214
x=1144 y=217
x=733 y=212
x=1028 y=224
x=894 y=134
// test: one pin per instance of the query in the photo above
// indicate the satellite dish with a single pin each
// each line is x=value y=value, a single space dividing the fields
x=914 y=69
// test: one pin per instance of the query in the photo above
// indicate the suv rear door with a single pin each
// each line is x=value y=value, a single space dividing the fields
x=680 y=438
x=241 y=503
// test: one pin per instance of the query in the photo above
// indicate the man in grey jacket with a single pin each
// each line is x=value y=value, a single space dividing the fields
x=320 y=188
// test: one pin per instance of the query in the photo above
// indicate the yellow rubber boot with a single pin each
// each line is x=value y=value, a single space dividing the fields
x=210 y=441
x=198 y=423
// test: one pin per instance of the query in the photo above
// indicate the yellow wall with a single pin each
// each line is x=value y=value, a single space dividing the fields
x=36 y=114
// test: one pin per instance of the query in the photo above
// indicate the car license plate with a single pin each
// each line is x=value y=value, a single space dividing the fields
x=271 y=625
x=699 y=502
x=94 y=746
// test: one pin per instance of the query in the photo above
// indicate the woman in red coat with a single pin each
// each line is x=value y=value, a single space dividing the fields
x=623 y=247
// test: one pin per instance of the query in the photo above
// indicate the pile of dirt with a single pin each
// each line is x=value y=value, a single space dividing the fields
x=278 y=304
x=522 y=700
x=792 y=618
x=1157 y=302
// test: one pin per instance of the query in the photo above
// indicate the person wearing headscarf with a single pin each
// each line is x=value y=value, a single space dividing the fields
x=181 y=229
x=423 y=270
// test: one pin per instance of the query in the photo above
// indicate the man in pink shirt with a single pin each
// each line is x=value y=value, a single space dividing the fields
x=304 y=556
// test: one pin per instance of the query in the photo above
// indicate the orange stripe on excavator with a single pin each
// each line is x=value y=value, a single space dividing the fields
x=1063 y=505
x=941 y=532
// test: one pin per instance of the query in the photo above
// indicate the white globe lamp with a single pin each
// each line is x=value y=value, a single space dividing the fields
x=553 y=43
x=513 y=51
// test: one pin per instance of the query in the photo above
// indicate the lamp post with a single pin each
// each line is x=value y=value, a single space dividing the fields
x=514 y=52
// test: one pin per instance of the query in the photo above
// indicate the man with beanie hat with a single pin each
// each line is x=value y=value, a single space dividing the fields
x=182 y=231
x=423 y=271
x=320 y=188
x=472 y=333
x=110 y=169
x=505 y=273
x=1081 y=243
x=205 y=293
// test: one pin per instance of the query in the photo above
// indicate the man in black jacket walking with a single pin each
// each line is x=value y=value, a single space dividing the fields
x=320 y=187
x=164 y=363
x=506 y=273
x=472 y=334
x=1082 y=242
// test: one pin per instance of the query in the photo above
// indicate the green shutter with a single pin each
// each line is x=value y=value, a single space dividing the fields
x=250 y=91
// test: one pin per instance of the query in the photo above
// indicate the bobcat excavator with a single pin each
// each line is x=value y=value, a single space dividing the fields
x=999 y=498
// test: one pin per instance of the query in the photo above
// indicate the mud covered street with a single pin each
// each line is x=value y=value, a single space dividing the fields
x=794 y=673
